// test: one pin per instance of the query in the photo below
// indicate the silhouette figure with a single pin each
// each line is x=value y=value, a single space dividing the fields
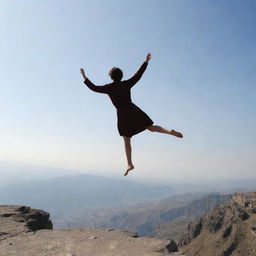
x=131 y=119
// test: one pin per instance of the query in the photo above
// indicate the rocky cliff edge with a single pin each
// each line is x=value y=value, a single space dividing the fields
x=28 y=232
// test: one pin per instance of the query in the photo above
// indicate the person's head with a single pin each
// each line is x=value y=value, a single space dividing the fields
x=116 y=74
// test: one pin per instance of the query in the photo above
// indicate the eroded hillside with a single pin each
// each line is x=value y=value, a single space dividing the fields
x=229 y=229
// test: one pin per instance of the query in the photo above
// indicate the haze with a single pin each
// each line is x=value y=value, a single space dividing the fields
x=200 y=81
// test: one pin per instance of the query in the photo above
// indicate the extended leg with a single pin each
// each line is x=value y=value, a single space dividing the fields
x=128 y=151
x=157 y=128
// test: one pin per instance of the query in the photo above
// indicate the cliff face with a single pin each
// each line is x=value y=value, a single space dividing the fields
x=229 y=229
x=246 y=199
x=26 y=231
x=15 y=220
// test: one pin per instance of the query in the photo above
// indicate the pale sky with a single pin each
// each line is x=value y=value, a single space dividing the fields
x=201 y=81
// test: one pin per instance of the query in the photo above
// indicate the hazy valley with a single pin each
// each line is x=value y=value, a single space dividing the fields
x=83 y=200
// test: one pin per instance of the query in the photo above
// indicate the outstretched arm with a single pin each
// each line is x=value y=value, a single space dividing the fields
x=93 y=87
x=148 y=57
x=134 y=79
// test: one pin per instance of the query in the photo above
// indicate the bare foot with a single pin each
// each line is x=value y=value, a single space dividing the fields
x=130 y=167
x=177 y=134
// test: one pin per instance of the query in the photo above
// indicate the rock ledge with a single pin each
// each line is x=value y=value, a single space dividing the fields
x=26 y=231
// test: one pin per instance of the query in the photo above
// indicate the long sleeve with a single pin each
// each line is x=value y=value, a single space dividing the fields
x=95 y=88
x=134 y=79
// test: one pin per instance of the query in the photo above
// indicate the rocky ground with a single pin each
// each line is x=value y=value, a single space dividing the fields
x=28 y=232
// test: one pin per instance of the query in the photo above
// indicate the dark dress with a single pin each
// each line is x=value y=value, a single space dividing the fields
x=130 y=118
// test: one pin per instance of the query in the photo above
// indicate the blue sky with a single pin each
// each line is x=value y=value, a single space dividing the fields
x=201 y=81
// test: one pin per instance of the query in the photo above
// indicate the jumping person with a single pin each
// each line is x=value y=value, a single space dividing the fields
x=130 y=118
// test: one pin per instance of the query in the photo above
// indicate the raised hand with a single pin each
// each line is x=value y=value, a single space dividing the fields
x=82 y=73
x=148 y=57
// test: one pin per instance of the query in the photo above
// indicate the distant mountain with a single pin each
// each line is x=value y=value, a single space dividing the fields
x=15 y=172
x=129 y=215
x=175 y=220
x=214 y=185
x=73 y=192
x=230 y=185
x=162 y=218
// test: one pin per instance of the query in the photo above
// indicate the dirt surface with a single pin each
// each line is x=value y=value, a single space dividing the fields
x=79 y=242
x=18 y=237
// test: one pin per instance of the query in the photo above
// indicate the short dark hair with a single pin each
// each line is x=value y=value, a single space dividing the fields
x=116 y=74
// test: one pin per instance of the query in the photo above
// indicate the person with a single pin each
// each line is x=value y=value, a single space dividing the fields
x=131 y=119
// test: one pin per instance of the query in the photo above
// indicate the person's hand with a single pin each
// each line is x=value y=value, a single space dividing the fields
x=148 y=57
x=82 y=73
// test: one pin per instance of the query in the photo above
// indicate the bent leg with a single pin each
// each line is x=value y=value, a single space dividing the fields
x=157 y=128
x=128 y=151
